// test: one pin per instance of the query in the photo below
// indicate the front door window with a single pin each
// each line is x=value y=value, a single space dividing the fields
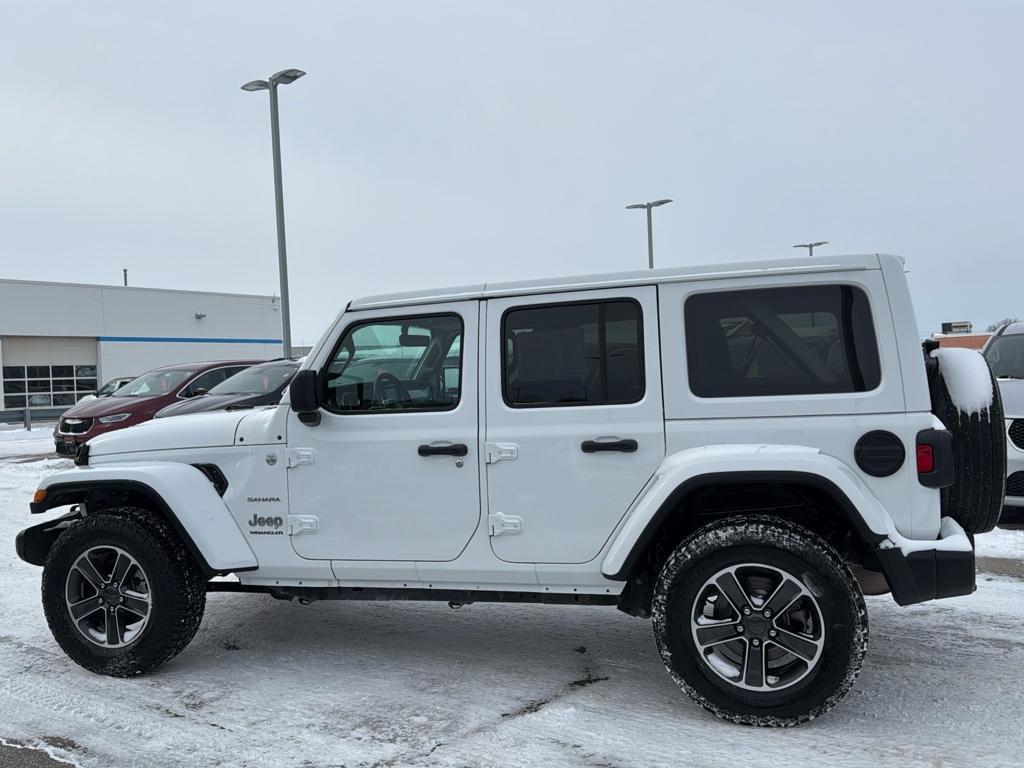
x=400 y=364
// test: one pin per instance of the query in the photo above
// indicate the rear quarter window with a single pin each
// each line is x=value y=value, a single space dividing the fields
x=806 y=340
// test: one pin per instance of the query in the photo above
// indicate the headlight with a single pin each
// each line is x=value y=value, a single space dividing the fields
x=114 y=419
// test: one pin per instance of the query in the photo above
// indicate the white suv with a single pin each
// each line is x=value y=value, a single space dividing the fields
x=738 y=452
x=1005 y=353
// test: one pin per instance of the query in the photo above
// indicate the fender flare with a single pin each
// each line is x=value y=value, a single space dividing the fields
x=687 y=471
x=180 y=493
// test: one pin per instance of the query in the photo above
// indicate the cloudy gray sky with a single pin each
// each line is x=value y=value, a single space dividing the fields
x=451 y=142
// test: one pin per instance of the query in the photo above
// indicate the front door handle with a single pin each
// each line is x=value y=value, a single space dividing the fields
x=456 y=449
x=619 y=446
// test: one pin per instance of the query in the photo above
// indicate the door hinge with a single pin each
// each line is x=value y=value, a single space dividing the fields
x=500 y=523
x=299 y=524
x=297 y=456
x=495 y=452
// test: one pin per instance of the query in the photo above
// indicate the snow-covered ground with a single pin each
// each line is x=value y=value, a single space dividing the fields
x=267 y=683
x=15 y=440
x=1000 y=543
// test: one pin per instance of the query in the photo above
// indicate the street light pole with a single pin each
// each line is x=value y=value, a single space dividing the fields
x=281 y=78
x=650 y=225
x=811 y=246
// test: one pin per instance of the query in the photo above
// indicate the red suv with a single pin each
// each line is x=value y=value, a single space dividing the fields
x=139 y=399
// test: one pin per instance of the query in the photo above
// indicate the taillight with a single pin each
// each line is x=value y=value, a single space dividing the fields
x=925 y=459
x=934 y=451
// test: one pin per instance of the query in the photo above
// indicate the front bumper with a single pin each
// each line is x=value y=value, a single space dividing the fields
x=1013 y=505
x=1012 y=516
x=65 y=448
x=1014 y=464
x=34 y=543
x=918 y=571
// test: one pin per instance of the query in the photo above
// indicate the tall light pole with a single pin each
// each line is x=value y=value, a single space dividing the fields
x=284 y=77
x=650 y=227
x=811 y=246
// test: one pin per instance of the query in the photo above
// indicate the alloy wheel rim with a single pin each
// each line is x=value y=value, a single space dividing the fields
x=108 y=596
x=757 y=627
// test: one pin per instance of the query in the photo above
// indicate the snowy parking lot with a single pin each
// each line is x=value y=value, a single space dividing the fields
x=389 y=684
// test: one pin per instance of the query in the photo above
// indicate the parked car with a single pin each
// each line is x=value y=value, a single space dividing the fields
x=107 y=389
x=736 y=451
x=139 y=400
x=1005 y=353
x=259 y=385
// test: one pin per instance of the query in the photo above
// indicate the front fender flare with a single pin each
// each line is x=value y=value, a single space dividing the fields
x=181 y=493
x=686 y=471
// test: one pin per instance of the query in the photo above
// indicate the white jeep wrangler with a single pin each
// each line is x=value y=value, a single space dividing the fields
x=739 y=452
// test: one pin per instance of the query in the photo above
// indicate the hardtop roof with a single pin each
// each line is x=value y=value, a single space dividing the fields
x=763 y=268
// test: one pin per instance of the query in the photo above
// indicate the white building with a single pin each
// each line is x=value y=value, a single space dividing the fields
x=59 y=341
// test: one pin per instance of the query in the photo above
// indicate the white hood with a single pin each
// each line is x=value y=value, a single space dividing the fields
x=200 y=430
x=1012 y=391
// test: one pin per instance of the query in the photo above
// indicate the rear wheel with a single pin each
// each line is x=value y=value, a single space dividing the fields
x=760 y=621
x=120 y=592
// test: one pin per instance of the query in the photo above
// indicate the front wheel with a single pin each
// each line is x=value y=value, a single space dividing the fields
x=760 y=621
x=120 y=592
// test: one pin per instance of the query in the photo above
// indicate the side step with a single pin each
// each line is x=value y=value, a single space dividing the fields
x=464 y=596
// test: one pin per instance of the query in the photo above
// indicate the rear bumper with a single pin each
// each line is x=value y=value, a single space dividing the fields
x=918 y=571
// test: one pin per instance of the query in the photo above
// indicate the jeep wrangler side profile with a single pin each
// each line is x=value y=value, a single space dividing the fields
x=737 y=452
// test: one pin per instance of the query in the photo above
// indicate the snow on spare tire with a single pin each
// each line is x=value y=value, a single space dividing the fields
x=966 y=399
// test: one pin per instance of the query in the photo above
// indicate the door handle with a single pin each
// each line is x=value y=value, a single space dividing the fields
x=456 y=449
x=619 y=446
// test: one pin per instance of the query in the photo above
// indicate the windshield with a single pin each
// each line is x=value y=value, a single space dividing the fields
x=257 y=380
x=1006 y=356
x=154 y=383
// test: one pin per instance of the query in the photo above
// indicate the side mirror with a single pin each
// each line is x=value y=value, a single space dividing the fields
x=198 y=392
x=305 y=396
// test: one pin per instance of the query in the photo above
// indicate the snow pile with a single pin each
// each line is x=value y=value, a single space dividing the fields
x=1000 y=543
x=18 y=441
x=967 y=378
x=11 y=432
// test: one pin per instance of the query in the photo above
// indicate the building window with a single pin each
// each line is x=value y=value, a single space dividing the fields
x=573 y=354
x=45 y=386
x=781 y=341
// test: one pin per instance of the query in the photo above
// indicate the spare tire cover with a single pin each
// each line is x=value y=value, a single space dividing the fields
x=975 y=499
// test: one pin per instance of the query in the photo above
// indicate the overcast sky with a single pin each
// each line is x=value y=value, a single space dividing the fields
x=447 y=143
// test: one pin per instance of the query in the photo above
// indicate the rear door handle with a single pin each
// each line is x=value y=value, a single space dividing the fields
x=456 y=449
x=619 y=446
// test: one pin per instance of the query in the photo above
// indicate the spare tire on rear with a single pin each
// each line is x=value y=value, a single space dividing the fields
x=975 y=499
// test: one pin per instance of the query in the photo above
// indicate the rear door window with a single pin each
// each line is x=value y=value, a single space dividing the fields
x=573 y=354
x=781 y=341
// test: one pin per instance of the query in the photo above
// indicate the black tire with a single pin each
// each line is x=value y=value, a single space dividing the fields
x=176 y=591
x=830 y=587
x=975 y=500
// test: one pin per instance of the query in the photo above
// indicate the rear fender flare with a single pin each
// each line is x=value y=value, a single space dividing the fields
x=179 y=492
x=682 y=473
